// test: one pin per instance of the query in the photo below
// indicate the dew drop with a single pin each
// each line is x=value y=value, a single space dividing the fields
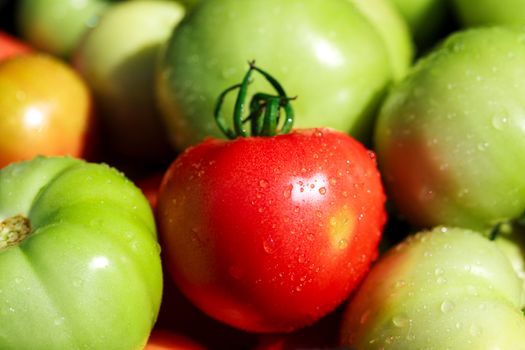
x=322 y=190
x=364 y=317
x=400 y=284
x=400 y=321
x=269 y=245
x=500 y=121
x=474 y=330
x=447 y=306
x=58 y=321
x=483 y=146
x=342 y=244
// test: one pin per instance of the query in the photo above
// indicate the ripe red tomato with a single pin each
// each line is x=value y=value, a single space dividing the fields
x=10 y=46
x=271 y=233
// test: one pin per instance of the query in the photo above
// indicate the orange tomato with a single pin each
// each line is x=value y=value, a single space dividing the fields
x=45 y=109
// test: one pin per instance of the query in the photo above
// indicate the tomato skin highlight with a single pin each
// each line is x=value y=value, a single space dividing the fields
x=268 y=234
x=45 y=109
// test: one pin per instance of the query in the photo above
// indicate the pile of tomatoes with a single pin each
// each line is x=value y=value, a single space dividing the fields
x=262 y=174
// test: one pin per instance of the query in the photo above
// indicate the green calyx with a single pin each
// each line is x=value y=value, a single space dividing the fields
x=264 y=109
x=13 y=230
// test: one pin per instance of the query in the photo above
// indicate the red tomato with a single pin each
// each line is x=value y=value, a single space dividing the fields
x=10 y=46
x=165 y=340
x=269 y=234
x=45 y=108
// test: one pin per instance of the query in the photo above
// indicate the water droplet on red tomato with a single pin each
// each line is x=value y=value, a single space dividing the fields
x=322 y=190
x=269 y=245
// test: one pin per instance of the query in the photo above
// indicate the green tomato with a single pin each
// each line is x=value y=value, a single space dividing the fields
x=325 y=52
x=450 y=137
x=394 y=31
x=490 y=12
x=117 y=59
x=79 y=258
x=57 y=26
x=441 y=289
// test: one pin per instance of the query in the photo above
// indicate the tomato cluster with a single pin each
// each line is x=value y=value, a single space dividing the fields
x=365 y=193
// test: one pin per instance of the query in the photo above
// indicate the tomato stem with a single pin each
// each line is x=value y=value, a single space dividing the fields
x=264 y=109
x=14 y=230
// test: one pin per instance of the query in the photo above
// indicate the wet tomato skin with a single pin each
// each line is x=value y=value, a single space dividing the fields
x=268 y=234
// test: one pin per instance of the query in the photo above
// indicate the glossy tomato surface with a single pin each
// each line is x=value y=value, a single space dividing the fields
x=271 y=233
x=45 y=109
x=447 y=288
x=450 y=137
x=325 y=52
x=79 y=258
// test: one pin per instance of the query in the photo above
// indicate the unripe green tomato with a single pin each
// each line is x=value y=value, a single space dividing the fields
x=325 y=52
x=79 y=258
x=57 y=26
x=392 y=27
x=448 y=288
x=450 y=138
x=117 y=58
